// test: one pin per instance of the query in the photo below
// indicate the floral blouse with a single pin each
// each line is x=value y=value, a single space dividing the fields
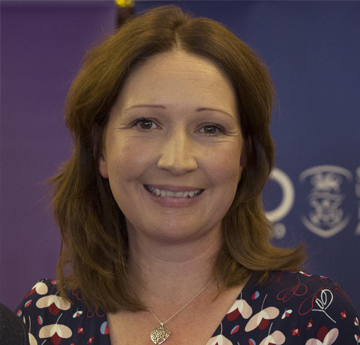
x=290 y=308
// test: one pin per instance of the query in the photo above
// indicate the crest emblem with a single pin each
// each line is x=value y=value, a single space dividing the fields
x=326 y=183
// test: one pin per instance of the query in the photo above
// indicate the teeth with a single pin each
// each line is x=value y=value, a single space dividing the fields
x=167 y=193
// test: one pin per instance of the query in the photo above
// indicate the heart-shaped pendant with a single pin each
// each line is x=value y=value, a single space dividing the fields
x=159 y=335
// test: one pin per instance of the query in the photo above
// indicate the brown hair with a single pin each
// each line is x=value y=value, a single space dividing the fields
x=95 y=251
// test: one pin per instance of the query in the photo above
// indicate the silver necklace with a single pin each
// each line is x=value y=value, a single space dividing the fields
x=160 y=334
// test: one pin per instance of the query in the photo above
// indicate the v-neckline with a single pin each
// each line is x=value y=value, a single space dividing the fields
x=214 y=334
x=238 y=296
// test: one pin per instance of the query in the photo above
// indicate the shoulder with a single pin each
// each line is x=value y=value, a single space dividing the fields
x=44 y=298
x=44 y=311
x=305 y=292
x=287 y=285
x=44 y=304
x=296 y=307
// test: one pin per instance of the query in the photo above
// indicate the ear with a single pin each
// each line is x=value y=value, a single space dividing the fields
x=103 y=168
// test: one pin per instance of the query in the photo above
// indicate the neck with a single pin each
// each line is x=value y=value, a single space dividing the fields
x=169 y=271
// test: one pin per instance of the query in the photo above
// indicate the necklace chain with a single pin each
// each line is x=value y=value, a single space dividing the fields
x=181 y=309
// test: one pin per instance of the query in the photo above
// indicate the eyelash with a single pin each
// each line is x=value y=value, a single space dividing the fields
x=218 y=128
x=138 y=123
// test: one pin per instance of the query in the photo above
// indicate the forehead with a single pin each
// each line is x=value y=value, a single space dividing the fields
x=178 y=76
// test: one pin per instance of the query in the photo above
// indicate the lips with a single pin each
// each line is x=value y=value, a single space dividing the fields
x=173 y=194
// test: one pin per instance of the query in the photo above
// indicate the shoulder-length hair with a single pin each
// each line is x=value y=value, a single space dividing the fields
x=94 y=254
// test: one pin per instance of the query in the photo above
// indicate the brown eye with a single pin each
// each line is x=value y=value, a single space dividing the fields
x=210 y=129
x=145 y=124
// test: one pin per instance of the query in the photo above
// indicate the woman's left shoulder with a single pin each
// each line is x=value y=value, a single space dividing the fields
x=311 y=290
x=297 y=280
x=316 y=305
x=290 y=308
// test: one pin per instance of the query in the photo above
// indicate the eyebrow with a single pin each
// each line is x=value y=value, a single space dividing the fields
x=156 y=106
x=214 y=109
x=159 y=106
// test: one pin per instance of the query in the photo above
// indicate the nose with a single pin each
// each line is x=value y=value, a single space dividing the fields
x=177 y=154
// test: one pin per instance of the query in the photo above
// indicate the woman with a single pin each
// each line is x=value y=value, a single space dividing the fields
x=164 y=235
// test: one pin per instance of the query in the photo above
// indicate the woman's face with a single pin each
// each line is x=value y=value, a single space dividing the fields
x=172 y=148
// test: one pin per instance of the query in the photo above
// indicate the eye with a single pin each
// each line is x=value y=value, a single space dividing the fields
x=145 y=124
x=212 y=129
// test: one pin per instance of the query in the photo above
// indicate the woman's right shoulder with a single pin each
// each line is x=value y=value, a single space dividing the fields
x=44 y=304
x=46 y=314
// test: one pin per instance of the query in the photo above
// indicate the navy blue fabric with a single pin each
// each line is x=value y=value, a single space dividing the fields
x=290 y=308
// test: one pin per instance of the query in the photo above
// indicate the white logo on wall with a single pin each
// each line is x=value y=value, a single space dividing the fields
x=325 y=216
x=287 y=202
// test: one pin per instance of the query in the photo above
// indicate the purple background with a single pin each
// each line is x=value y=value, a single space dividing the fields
x=312 y=50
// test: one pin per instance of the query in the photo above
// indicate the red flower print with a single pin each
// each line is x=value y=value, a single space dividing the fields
x=261 y=319
x=77 y=294
x=219 y=340
x=77 y=313
x=275 y=338
x=279 y=278
x=324 y=337
x=40 y=288
x=55 y=332
x=240 y=307
x=296 y=290
x=53 y=303
x=98 y=313
x=310 y=324
x=287 y=313
x=295 y=331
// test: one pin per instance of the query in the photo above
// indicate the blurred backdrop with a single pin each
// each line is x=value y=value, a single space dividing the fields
x=312 y=49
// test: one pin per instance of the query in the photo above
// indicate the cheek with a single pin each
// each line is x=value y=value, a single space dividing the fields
x=125 y=161
x=235 y=167
x=225 y=166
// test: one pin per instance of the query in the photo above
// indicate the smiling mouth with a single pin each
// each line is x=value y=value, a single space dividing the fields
x=167 y=193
